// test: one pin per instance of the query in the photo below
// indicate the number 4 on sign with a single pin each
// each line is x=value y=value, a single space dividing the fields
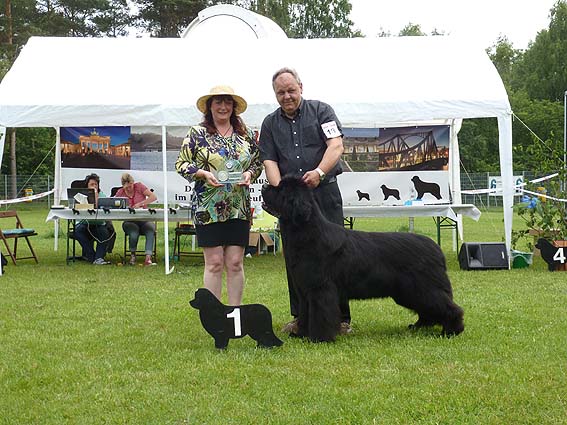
x=559 y=255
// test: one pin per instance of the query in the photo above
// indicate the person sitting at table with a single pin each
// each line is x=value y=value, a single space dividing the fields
x=89 y=231
x=139 y=196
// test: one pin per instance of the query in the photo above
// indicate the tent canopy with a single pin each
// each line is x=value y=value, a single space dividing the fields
x=150 y=81
x=370 y=82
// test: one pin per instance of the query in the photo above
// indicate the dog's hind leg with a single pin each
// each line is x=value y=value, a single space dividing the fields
x=268 y=339
x=221 y=342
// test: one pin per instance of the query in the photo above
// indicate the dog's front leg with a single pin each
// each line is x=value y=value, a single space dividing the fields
x=324 y=313
x=302 y=318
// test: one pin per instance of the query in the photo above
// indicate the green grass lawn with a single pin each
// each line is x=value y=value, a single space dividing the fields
x=115 y=344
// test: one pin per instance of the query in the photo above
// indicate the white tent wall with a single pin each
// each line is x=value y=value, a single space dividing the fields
x=370 y=82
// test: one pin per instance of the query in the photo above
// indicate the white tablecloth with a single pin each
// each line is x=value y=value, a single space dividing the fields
x=142 y=214
x=437 y=210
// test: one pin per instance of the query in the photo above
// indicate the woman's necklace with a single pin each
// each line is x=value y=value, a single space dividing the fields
x=226 y=132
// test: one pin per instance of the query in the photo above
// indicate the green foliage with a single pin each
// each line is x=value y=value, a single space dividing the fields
x=321 y=19
x=75 y=18
x=306 y=19
x=34 y=146
x=547 y=217
x=411 y=30
x=478 y=145
x=542 y=117
x=114 y=19
x=168 y=18
x=276 y=10
x=541 y=73
x=504 y=57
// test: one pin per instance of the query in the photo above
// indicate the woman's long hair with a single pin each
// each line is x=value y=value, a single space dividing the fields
x=236 y=122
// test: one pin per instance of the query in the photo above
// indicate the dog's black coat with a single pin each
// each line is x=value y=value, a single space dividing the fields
x=547 y=250
x=390 y=192
x=426 y=187
x=255 y=320
x=362 y=195
x=325 y=259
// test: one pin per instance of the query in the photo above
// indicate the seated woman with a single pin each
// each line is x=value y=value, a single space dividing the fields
x=89 y=231
x=139 y=196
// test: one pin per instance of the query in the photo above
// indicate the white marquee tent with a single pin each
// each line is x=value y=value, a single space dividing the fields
x=370 y=82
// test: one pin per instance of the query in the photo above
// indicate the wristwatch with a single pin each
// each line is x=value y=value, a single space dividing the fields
x=321 y=173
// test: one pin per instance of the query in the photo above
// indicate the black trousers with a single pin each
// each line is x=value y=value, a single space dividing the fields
x=329 y=199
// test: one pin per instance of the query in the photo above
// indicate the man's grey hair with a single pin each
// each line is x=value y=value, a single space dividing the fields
x=285 y=70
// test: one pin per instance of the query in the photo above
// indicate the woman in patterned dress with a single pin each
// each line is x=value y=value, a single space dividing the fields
x=221 y=156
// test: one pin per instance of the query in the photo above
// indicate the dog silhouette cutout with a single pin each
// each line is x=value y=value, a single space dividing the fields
x=106 y=210
x=91 y=212
x=225 y=322
x=362 y=195
x=151 y=211
x=426 y=187
x=548 y=251
x=390 y=192
x=131 y=210
x=76 y=212
x=172 y=211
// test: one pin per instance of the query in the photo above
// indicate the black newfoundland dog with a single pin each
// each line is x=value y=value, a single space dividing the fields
x=326 y=259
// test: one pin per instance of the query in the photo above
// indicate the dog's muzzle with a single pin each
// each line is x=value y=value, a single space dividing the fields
x=270 y=211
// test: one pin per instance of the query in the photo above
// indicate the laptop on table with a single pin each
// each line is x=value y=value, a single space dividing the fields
x=80 y=195
x=113 y=202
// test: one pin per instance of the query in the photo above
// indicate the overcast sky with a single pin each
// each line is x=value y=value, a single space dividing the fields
x=480 y=20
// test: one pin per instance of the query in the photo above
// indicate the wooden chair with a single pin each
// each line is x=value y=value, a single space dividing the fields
x=9 y=232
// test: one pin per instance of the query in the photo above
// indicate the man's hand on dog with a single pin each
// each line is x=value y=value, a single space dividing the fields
x=311 y=179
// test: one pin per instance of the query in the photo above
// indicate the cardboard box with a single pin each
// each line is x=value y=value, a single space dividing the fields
x=263 y=242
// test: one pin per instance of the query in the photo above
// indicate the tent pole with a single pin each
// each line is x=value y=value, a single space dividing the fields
x=564 y=182
x=57 y=184
x=165 y=200
x=507 y=173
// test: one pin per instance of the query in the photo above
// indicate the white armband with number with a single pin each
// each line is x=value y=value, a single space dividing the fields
x=331 y=129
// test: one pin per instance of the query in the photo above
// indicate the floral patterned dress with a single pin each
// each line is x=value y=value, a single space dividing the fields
x=209 y=152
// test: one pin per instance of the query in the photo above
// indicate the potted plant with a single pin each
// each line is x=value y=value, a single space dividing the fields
x=541 y=209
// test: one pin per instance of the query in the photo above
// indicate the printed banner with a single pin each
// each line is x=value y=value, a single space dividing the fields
x=388 y=166
x=396 y=166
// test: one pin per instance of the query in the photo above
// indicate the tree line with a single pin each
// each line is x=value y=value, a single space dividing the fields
x=535 y=78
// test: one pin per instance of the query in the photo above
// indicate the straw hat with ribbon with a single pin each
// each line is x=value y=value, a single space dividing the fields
x=241 y=104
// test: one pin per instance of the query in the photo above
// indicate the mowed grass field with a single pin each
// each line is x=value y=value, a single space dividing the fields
x=116 y=344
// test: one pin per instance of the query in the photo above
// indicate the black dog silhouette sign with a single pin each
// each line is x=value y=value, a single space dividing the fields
x=554 y=256
x=224 y=322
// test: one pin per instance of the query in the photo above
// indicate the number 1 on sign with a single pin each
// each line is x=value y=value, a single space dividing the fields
x=559 y=256
x=236 y=316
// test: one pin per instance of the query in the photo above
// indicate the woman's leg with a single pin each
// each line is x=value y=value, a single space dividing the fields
x=212 y=277
x=102 y=237
x=233 y=262
x=148 y=229
x=133 y=231
x=84 y=238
